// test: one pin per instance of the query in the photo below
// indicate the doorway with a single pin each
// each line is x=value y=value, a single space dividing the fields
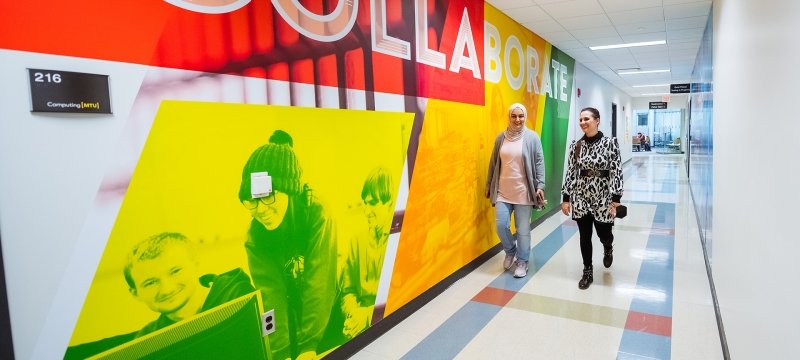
x=613 y=120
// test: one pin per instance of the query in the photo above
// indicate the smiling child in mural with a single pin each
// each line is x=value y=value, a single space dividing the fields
x=163 y=273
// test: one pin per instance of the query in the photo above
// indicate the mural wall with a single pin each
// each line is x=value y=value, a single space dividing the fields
x=701 y=144
x=294 y=170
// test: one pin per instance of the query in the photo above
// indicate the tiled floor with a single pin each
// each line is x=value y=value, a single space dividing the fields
x=653 y=303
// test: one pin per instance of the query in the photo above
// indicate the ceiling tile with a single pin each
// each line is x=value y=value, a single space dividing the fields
x=693 y=39
x=684 y=46
x=675 y=2
x=687 y=10
x=640 y=28
x=682 y=53
x=557 y=36
x=567 y=45
x=595 y=65
x=636 y=16
x=622 y=5
x=582 y=53
x=510 y=4
x=543 y=26
x=645 y=37
x=542 y=2
x=695 y=22
x=655 y=50
x=684 y=34
x=585 y=22
x=611 y=40
x=661 y=63
x=572 y=8
x=594 y=33
x=650 y=60
x=528 y=14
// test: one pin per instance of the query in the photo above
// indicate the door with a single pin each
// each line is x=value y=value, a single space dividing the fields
x=613 y=120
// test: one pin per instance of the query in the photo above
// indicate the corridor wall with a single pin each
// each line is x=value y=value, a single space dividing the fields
x=418 y=89
x=753 y=237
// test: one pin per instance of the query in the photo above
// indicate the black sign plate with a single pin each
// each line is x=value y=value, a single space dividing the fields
x=69 y=92
x=658 y=104
x=679 y=88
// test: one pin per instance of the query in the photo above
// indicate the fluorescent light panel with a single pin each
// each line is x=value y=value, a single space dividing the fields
x=642 y=72
x=638 y=86
x=627 y=45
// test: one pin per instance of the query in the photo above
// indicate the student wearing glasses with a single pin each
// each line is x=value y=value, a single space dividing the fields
x=291 y=249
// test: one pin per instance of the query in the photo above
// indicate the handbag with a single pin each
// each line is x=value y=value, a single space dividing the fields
x=622 y=211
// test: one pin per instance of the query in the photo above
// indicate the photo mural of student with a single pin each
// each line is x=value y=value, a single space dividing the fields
x=362 y=268
x=291 y=249
x=162 y=272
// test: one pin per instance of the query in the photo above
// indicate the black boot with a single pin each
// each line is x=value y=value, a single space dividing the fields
x=608 y=255
x=587 y=277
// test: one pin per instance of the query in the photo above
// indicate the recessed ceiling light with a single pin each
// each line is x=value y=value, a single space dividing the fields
x=642 y=72
x=654 y=94
x=627 y=45
x=650 y=85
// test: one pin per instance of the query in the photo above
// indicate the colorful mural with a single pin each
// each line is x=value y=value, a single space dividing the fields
x=325 y=158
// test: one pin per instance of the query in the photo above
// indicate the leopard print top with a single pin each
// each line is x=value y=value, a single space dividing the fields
x=593 y=194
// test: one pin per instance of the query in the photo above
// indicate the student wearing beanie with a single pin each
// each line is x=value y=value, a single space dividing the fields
x=291 y=250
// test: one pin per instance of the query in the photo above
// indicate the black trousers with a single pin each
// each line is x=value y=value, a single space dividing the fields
x=585 y=230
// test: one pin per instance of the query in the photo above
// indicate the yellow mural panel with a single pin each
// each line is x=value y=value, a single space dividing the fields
x=188 y=181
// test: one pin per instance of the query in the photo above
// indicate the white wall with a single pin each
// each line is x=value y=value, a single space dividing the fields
x=756 y=80
x=53 y=164
x=598 y=93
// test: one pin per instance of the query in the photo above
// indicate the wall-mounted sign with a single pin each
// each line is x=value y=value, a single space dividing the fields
x=69 y=92
x=679 y=88
x=658 y=104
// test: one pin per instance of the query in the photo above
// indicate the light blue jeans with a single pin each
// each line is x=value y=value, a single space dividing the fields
x=518 y=244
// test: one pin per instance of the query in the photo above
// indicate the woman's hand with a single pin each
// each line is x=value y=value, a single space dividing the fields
x=613 y=209
x=565 y=208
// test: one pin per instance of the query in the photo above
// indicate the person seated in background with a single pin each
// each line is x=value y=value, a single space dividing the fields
x=644 y=141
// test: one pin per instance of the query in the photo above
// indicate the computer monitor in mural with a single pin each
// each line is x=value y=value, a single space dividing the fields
x=229 y=331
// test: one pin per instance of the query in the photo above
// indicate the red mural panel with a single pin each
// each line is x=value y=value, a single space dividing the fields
x=440 y=58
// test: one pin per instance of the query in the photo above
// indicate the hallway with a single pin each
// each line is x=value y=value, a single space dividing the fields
x=653 y=303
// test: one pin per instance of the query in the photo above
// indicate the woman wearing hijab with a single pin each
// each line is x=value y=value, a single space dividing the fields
x=515 y=185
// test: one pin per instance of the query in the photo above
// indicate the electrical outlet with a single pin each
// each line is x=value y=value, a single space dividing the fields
x=268 y=322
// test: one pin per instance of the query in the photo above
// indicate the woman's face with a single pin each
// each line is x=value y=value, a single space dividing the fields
x=516 y=120
x=271 y=210
x=588 y=123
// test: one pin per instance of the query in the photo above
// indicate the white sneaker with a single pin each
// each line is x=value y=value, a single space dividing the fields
x=508 y=261
x=521 y=270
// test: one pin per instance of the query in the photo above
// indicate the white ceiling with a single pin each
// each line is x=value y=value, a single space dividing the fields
x=574 y=25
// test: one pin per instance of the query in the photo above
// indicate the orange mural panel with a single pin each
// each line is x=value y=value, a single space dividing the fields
x=448 y=219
